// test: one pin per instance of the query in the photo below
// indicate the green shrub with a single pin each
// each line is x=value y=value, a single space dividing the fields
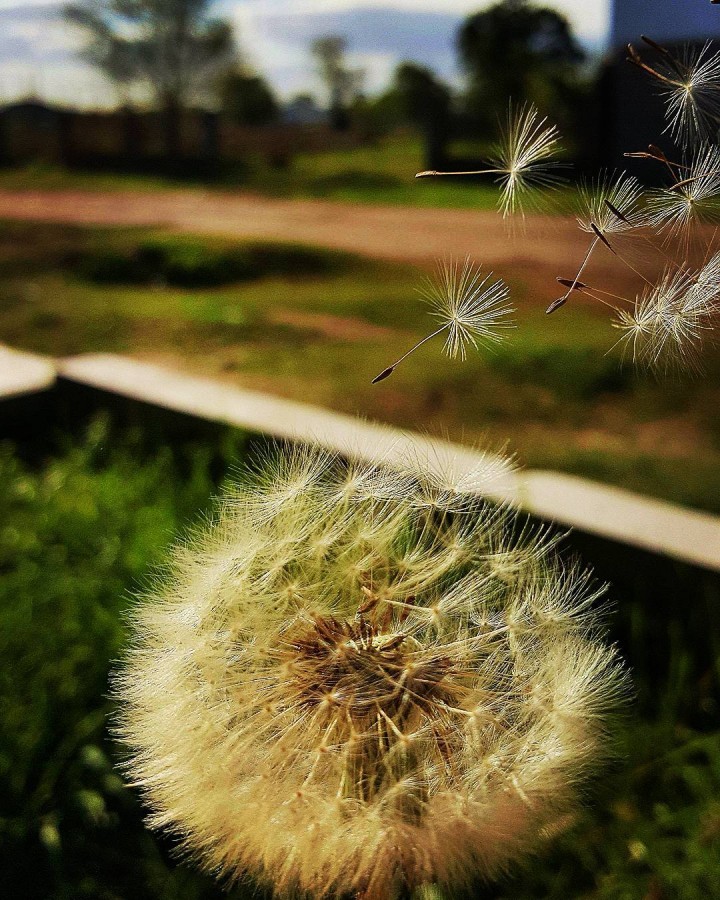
x=190 y=262
x=76 y=538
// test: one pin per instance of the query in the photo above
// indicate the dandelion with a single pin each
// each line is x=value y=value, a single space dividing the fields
x=353 y=695
x=666 y=325
x=690 y=85
x=704 y=294
x=471 y=307
x=524 y=159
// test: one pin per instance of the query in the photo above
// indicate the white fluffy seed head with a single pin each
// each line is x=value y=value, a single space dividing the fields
x=475 y=308
x=665 y=328
x=692 y=94
x=612 y=203
x=525 y=158
x=694 y=199
x=350 y=691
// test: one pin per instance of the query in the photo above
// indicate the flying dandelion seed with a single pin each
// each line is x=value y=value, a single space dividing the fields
x=472 y=308
x=690 y=85
x=523 y=161
x=667 y=323
x=693 y=198
x=525 y=158
x=611 y=203
x=348 y=694
x=608 y=206
x=704 y=294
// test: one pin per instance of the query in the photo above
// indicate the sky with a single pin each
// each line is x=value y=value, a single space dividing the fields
x=38 y=52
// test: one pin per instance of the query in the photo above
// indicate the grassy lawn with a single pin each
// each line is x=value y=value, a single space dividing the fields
x=309 y=323
x=382 y=172
x=81 y=530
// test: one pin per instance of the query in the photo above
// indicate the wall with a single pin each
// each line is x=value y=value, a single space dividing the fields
x=664 y=20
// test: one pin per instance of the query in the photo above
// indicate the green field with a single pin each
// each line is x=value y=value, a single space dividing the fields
x=80 y=531
x=379 y=172
x=309 y=323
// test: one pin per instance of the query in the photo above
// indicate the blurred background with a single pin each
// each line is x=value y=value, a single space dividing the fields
x=228 y=189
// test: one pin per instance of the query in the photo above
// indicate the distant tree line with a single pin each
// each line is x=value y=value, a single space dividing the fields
x=175 y=53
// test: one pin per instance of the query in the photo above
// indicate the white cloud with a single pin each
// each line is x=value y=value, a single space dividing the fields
x=29 y=4
x=37 y=48
x=589 y=18
x=275 y=34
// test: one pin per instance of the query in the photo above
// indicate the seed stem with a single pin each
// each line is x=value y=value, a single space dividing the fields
x=390 y=369
x=556 y=304
x=431 y=173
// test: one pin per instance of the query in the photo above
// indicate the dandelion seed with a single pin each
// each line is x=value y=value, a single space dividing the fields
x=690 y=86
x=693 y=198
x=608 y=206
x=523 y=160
x=418 y=712
x=667 y=323
x=704 y=294
x=611 y=204
x=472 y=308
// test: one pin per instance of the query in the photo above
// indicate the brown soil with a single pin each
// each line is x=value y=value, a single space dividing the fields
x=338 y=328
x=535 y=252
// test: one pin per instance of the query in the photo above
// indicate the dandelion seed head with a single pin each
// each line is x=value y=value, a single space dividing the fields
x=473 y=307
x=598 y=197
x=676 y=208
x=392 y=695
x=704 y=293
x=525 y=158
x=692 y=94
x=664 y=329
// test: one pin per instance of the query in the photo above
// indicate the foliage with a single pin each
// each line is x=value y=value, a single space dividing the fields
x=188 y=262
x=343 y=83
x=247 y=98
x=78 y=534
x=517 y=51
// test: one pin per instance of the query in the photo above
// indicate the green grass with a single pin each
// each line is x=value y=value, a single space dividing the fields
x=77 y=535
x=81 y=531
x=314 y=324
x=381 y=172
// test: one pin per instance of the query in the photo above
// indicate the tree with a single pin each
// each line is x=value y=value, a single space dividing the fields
x=343 y=84
x=521 y=51
x=425 y=102
x=170 y=47
x=247 y=98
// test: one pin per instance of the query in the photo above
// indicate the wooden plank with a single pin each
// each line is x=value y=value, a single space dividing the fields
x=619 y=515
x=24 y=373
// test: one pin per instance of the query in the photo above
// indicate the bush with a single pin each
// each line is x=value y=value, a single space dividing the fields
x=77 y=537
x=576 y=373
x=191 y=263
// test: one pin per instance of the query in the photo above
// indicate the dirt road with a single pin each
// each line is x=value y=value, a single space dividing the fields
x=403 y=234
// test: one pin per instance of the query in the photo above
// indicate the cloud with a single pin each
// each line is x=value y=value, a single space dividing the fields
x=589 y=18
x=37 y=47
x=421 y=35
x=378 y=39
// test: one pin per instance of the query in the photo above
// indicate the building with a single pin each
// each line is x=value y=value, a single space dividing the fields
x=663 y=20
x=632 y=111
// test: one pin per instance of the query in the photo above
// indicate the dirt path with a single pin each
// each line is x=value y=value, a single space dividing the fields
x=397 y=233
